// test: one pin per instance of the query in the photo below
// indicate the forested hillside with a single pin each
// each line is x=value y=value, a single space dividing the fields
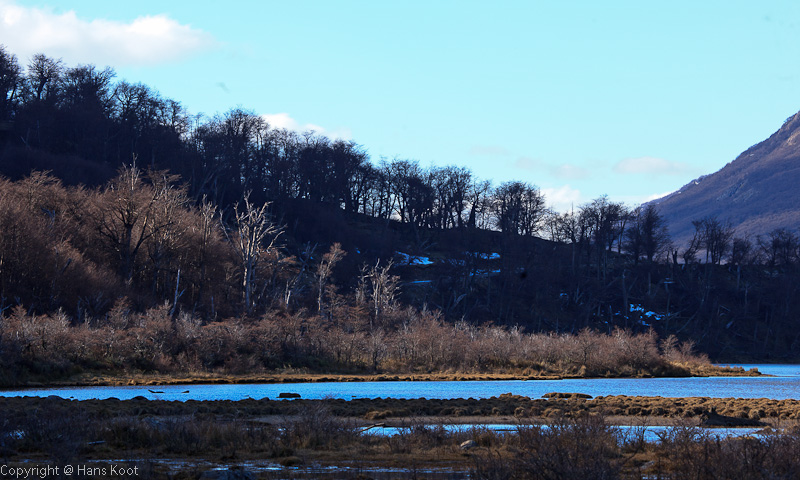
x=124 y=216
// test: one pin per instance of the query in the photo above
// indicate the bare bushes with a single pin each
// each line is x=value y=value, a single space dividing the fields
x=58 y=431
x=682 y=353
x=157 y=340
x=190 y=435
x=568 y=448
x=425 y=343
x=689 y=452
x=315 y=426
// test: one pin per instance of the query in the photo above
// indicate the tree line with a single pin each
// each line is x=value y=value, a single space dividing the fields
x=225 y=216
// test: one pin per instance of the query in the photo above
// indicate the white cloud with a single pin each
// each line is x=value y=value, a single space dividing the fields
x=562 y=199
x=656 y=196
x=285 y=121
x=147 y=40
x=651 y=165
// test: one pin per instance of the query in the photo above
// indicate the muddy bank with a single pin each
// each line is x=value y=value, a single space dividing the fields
x=86 y=380
x=508 y=405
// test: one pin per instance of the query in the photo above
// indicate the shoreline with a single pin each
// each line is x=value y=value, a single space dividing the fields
x=729 y=411
x=140 y=379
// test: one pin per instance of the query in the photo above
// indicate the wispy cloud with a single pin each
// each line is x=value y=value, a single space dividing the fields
x=147 y=40
x=569 y=172
x=562 y=199
x=222 y=86
x=651 y=165
x=489 y=150
x=285 y=121
x=529 y=163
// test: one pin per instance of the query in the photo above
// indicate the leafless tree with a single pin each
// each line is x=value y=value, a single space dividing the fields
x=325 y=270
x=254 y=234
x=780 y=247
x=647 y=234
x=9 y=82
x=715 y=237
x=43 y=77
x=378 y=287
x=127 y=216
x=519 y=208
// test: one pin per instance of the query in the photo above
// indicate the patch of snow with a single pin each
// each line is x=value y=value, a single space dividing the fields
x=413 y=259
x=484 y=256
x=648 y=314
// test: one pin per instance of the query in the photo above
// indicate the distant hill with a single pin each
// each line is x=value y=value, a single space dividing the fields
x=757 y=192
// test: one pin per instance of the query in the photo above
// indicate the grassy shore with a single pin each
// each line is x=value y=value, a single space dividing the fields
x=148 y=379
x=502 y=409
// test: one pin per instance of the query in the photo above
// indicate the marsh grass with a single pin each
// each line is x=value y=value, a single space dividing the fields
x=574 y=442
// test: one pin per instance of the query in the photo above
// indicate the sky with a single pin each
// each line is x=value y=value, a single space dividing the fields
x=581 y=98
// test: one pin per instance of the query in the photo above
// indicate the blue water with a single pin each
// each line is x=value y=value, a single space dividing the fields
x=652 y=433
x=785 y=384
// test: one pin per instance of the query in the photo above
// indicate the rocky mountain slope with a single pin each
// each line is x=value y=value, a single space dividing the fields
x=757 y=192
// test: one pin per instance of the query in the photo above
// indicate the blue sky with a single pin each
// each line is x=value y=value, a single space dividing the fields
x=629 y=99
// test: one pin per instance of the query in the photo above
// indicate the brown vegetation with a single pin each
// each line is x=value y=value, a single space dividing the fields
x=204 y=238
x=48 y=348
x=572 y=443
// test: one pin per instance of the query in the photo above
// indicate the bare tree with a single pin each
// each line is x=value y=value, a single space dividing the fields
x=254 y=235
x=9 y=82
x=325 y=270
x=43 y=77
x=742 y=251
x=380 y=291
x=519 y=208
x=647 y=234
x=780 y=247
x=715 y=237
x=127 y=217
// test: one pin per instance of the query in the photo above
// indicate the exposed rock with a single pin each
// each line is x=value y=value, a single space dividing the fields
x=288 y=395
x=714 y=419
x=566 y=395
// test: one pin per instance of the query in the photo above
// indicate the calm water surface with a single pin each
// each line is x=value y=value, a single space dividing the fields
x=785 y=384
x=652 y=433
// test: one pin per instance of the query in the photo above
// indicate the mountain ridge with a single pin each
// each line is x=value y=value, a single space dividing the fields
x=756 y=192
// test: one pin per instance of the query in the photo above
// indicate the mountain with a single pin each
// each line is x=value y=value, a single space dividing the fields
x=757 y=192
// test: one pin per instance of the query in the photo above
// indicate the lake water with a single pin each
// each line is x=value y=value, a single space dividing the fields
x=785 y=384
x=651 y=433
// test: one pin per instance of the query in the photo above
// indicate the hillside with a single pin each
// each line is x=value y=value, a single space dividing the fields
x=126 y=217
x=756 y=193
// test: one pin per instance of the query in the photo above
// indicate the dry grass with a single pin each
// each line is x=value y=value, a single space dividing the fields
x=578 y=441
x=195 y=378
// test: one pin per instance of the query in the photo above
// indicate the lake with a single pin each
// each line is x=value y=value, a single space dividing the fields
x=784 y=384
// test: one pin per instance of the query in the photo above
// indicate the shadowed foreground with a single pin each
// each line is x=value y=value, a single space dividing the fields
x=257 y=437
